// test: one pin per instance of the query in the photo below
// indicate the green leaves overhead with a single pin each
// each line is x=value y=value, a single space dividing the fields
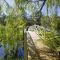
x=19 y=1
x=52 y=2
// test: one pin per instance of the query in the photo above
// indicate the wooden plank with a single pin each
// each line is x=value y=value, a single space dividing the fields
x=25 y=47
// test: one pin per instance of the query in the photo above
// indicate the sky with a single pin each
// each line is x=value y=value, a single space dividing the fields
x=44 y=11
x=58 y=11
x=12 y=4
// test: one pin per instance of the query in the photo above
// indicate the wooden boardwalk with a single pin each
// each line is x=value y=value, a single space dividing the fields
x=36 y=49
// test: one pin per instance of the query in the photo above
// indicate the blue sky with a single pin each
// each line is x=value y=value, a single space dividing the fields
x=44 y=10
x=58 y=11
x=12 y=3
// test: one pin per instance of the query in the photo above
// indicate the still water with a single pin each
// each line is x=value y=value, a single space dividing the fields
x=20 y=53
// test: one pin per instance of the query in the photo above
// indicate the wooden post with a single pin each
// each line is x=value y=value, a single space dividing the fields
x=25 y=47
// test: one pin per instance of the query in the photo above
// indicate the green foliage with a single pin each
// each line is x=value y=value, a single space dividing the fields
x=51 y=22
x=50 y=3
x=51 y=32
x=19 y=1
x=45 y=21
x=12 y=32
x=50 y=38
x=55 y=22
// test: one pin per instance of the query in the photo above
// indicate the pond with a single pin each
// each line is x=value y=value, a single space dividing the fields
x=19 y=53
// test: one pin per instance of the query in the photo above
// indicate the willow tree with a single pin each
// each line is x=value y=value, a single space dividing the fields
x=11 y=33
x=53 y=3
x=53 y=22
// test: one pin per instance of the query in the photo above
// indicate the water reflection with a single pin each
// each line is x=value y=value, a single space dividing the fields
x=19 y=53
